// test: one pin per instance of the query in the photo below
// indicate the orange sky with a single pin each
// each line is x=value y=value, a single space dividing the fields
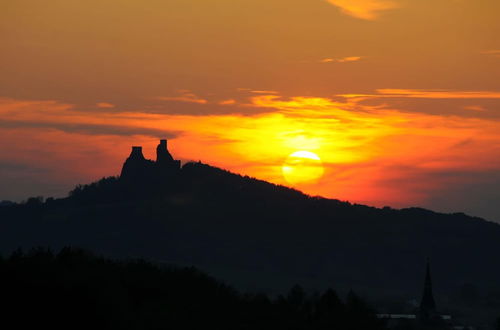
x=399 y=98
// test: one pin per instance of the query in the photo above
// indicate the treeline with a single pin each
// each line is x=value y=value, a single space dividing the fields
x=74 y=289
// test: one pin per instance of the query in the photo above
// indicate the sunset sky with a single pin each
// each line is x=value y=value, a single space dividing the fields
x=399 y=99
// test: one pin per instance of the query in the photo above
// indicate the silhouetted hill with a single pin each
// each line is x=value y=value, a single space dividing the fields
x=261 y=236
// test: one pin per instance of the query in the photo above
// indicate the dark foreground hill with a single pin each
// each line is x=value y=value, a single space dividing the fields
x=260 y=236
x=76 y=290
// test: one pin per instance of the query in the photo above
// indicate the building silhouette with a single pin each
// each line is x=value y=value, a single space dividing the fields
x=139 y=169
x=427 y=312
x=427 y=316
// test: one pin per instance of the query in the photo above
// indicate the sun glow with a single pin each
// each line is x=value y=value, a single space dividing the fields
x=302 y=167
x=379 y=155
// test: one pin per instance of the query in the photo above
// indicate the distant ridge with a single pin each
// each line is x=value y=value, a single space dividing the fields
x=259 y=235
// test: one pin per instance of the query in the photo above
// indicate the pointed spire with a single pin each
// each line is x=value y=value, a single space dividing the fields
x=427 y=305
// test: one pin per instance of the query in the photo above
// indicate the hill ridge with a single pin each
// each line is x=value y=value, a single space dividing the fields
x=258 y=235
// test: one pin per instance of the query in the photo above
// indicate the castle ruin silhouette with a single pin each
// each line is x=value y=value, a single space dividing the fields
x=137 y=168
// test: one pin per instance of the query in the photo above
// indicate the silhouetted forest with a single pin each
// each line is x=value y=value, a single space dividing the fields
x=74 y=289
x=262 y=237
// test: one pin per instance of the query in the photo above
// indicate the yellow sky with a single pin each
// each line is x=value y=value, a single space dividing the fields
x=399 y=98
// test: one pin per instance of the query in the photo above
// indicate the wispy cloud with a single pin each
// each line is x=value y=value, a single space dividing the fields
x=474 y=108
x=341 y=60
x=184 y=96
x=439 y=94
x=89 y=129
x=427 y=94
x=364 y=9
x=263 y=92
x=52 y=115
x=227 y=102
x=492 y=52
x=105 y=105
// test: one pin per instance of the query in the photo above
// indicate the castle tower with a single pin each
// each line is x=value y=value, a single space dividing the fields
x=165 y=163
x=162 y=154
x=427 y=305
x=135 y=166
x=136 y=153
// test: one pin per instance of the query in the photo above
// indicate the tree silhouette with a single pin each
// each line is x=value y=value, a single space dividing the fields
x=75 y=289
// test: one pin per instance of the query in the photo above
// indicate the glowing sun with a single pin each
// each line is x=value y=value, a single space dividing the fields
x=302 y=167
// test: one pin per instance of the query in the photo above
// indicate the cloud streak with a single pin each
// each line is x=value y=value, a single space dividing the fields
x=341 y=60
x=426 y=94
x=438 y=94
x=492 y=52
x=57 y=116
x=364 y=9
x=105 y=105
x=89 y=129
x=185 y=96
